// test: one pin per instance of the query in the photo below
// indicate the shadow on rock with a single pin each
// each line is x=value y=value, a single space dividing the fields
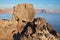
x=16 y=36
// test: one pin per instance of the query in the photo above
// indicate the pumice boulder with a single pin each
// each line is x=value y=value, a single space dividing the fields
x=23 y=12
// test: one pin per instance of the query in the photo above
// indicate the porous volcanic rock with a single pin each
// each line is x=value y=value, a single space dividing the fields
x=23 y=26
x=21 y=13
x=43 y=31
x=24 y=12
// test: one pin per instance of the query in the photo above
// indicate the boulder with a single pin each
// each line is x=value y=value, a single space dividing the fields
x=23 y=12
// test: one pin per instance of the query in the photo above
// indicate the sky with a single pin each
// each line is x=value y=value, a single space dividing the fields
x=38 y=4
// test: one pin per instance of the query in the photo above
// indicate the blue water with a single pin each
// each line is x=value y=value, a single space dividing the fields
x=53 y=19
x=6 y=16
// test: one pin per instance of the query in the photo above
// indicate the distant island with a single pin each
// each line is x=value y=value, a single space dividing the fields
x=7 y=10
x=46 y=11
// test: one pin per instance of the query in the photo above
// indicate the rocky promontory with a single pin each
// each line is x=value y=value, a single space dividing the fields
x=23 y=26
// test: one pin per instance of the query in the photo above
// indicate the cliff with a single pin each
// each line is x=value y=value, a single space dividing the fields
x=23 y=26
x=46 y=11
x=7 y=10
x=1 y=10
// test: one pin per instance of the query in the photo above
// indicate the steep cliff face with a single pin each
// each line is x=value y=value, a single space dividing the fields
x=23 y=26
x=6 y=30
x=1 y=10
x=7 y=10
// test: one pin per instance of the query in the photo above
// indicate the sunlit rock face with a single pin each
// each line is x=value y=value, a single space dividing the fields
x=24 y=12
x=7 y=29
x=21 y=12
x=23 y=26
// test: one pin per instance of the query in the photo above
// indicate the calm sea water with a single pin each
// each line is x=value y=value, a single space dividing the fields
x=53 y=19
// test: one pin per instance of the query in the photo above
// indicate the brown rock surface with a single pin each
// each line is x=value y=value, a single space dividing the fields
x=24 y=12
x=42 y=31
x=23 y=26
x=6 y=30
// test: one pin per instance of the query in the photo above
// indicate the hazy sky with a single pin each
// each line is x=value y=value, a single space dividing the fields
x=42 y=4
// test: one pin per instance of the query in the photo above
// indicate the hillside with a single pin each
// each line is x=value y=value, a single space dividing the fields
x=1 y=11
x=7 y=10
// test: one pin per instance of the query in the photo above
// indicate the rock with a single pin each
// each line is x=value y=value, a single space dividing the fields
x=23 y=26
x=24 y=12
x=41 y=23
x=29 y=30
x=7 y=30
x=51 y=30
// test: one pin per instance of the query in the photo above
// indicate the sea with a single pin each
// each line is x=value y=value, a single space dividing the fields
x=52 y=18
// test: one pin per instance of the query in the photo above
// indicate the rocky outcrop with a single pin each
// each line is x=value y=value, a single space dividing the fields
x=42 y=31
x=23 y=26
x=20 y=13
x=7 y=29
x=24 y=12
